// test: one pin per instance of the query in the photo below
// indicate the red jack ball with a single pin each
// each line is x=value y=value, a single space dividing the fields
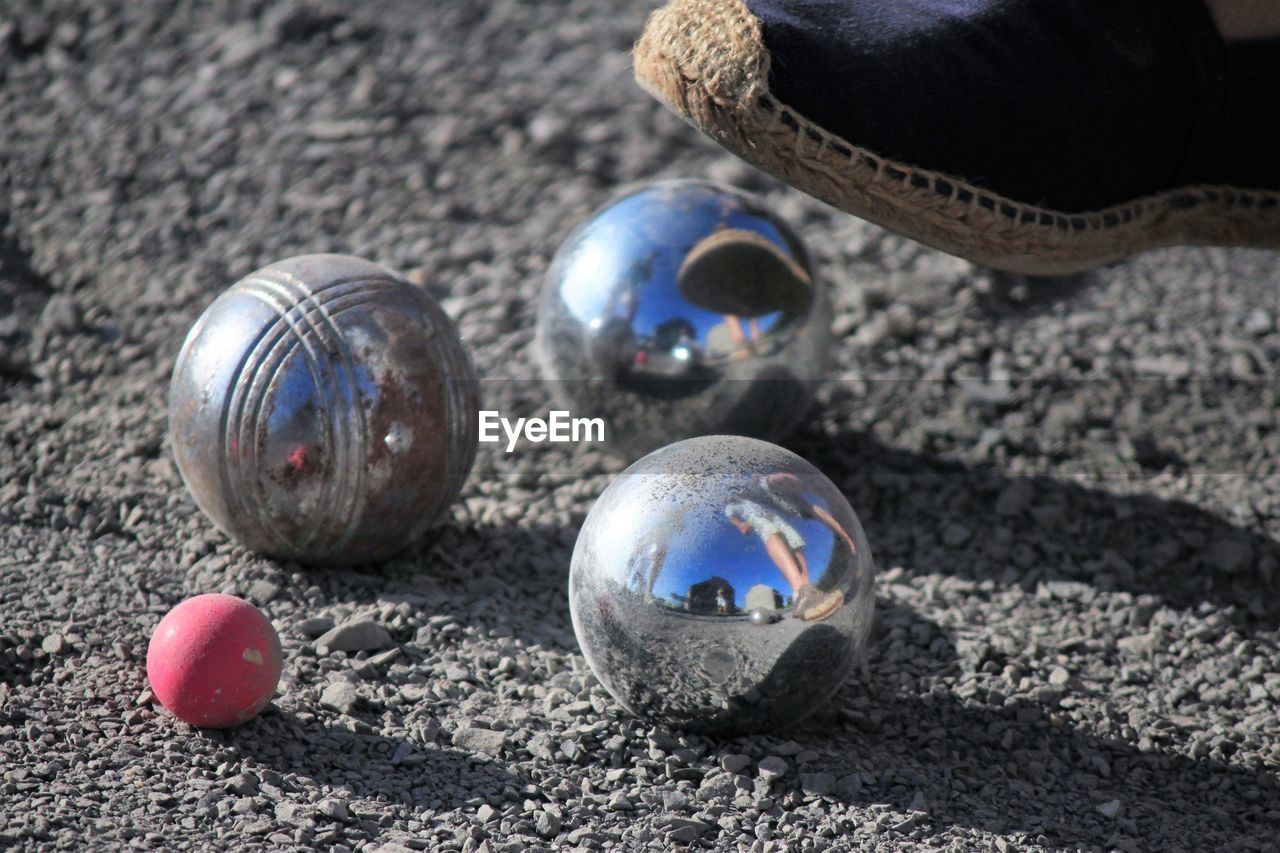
x=214 y=661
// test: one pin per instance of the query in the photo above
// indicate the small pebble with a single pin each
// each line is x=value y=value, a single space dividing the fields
x=333 y=808
x=354 y=637
x=1109 y=809
x=479 y=740
x=772 y=768
x=341 y=696
x=547 y=825
x=314 y=627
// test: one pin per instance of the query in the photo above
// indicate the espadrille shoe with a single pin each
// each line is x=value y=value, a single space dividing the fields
x=1034 y=137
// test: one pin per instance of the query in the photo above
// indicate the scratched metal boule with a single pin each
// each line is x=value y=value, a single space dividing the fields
x=684 y=308
x=722 y=584
x=324 y=409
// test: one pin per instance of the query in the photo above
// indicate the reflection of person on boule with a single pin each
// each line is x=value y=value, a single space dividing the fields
x=754 y=512
x=646 y=565
x=650 y=554
x=613 y=340
x=787 y=487
x=745 y=277
x=746 y=342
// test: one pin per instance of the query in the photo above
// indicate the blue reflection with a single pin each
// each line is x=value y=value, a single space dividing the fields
x=690 y=569
x=684 y=308
x=309 y=386
x=623 y=269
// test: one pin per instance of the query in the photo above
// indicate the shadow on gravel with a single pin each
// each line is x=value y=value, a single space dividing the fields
x=424 y=775
x=1016 y=769
x=23 y=294
x=16 y=673
x=18 y=665
x=502 y=580
x=1013 y=765
x=1035 y=531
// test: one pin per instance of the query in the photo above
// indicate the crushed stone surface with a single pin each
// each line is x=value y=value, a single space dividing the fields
x=1071 y=487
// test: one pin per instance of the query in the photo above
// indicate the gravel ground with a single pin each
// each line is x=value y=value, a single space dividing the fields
x=1071 y=487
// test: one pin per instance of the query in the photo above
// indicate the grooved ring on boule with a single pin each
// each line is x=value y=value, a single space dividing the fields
x=323 y=409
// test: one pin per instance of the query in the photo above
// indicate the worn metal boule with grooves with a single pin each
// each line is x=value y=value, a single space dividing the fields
x=323 y=409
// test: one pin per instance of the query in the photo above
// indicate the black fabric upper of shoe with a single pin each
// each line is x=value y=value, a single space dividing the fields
x=1073 y=105
x=1245 y=151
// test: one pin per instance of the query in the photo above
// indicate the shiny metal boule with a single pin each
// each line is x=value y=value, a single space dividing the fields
x=722 y=585
x=323 y=409
x=684 y=308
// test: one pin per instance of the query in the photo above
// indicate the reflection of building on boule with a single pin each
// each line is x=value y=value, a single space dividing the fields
x=710 y=597
x=764 y=597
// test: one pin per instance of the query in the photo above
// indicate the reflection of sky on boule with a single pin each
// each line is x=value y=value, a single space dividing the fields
x=295 y=389
x=701 y=543
x=294 y=392
x=645 y=237
x=718 y=549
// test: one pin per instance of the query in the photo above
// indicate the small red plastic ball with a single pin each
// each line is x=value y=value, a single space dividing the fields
x=214 y=661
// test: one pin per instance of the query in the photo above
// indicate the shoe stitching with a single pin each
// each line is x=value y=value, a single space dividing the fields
x=946 y=187
x=1107 y=218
